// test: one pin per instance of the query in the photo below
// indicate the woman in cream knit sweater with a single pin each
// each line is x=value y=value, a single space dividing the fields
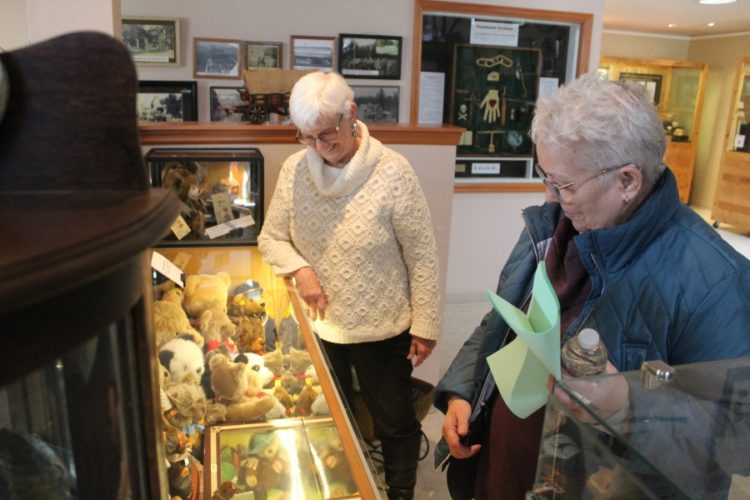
x=350 y=222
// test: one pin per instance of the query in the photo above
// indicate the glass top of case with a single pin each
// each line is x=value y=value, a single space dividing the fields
x=685 y=434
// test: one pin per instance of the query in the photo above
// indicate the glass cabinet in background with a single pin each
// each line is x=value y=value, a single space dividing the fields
x=685 y=434
x=676 y=88
x=732 y=196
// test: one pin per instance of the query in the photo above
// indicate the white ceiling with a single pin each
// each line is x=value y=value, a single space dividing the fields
x=690 y=17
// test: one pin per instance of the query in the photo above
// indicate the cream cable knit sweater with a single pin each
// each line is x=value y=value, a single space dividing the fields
x=368 y=236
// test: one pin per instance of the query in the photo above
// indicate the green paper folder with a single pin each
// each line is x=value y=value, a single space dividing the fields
x=522 y=367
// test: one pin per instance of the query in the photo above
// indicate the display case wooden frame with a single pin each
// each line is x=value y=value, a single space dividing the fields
x=731 y=203
x=679 y=98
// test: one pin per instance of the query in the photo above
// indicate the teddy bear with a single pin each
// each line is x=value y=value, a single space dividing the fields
x=304 y=402
x=226 y=491
x=217 y=328
x=267 y=466
x=298 y=360
x=274 y=361
x=170 y=320
x=188 y=180
x=292 y=383
x=284 y=397
x=237 y=387
x=205 y=291
x=257 y=363
x=250 y=335
x=188 y=413
x=184 y=360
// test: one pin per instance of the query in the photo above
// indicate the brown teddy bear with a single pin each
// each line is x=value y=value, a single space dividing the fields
x=217 y=328
x=205 y=291
x=238 y=388
x=298 y=360
x=170 y=320
x=250 y=335
x=188 y=180
x=274 y=361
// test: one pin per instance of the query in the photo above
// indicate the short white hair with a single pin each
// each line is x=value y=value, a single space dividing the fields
x=319 y=94
x=608 y=123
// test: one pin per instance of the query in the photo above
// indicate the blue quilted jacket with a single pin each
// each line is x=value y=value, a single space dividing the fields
x=664 y=286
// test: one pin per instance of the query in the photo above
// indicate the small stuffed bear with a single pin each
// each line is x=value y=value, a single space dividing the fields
x=298 y=360
x=250 y=335
x=188 y=180
x=238 y=388
x=303 y=405
x=170 y=320
x=226 y=491
x=267 y=466
x=274 y=361
x=184 y=360
x=205 y=291
x=217 y=328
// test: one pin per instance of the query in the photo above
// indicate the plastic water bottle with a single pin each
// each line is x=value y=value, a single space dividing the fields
x=585 y=354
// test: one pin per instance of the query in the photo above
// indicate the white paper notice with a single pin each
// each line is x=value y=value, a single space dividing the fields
x=222 y=229
x=548 y=86
x=165 y=267
x=431 y=94
x=491 y=33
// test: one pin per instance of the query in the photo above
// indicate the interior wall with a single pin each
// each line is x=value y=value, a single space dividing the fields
x=13 y=29
x=722 y=55
x=643 y=46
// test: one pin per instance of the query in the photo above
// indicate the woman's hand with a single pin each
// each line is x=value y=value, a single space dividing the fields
x=607 y=396
x=310 y=291
x=420 y=349
x=456 y=426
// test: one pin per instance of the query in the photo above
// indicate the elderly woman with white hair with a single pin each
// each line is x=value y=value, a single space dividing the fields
x=625 y=258
x=350 y=223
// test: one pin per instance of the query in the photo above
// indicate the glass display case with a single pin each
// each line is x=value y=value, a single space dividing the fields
x=732 y=193
x=221 y=190
x=685 y=434
x=676 y=88
x=252 y=327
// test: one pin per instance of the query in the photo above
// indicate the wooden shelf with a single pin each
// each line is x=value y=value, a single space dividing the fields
x=220 y=133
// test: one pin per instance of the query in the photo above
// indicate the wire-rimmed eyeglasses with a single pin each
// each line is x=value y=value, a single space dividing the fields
x=325 y=138
x=557 y=188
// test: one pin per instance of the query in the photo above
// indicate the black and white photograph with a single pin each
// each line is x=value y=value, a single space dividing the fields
x=377 y=103
x=312 y=52
x=652 y=83
x=229 y=104
x=216 y=58
x=262 y=55
x=152 y=41
x=370 y=56
x=167 y=101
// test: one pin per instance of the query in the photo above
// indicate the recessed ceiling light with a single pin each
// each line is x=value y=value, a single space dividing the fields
x=671 y=25
x=715 y=2
x=711 y=24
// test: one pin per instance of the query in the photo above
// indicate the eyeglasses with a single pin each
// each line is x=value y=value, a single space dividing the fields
x=557 y=188
x=325 y=138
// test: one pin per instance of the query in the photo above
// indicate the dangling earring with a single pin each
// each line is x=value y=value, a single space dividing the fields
x=354 y=129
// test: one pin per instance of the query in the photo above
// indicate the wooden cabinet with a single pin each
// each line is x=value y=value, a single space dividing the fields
x=732 y=195
x=677 y=90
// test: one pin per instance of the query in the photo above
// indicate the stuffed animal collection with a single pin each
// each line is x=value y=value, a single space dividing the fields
x=211 y=342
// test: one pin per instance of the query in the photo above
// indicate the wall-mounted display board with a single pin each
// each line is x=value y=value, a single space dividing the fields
x=732 y=195
x=676 y=88
x=486 y=65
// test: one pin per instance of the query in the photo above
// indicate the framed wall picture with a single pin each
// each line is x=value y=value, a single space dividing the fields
x=377 y=103
x=262 y=55
x=216 y=58
x=652 y=83
x=370 y=56
x=167 y=101
x=152 y=41
x=229 y=104
x=312 y=52
x=493 y=92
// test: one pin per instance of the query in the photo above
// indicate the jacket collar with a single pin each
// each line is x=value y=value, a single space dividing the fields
x=615 y=247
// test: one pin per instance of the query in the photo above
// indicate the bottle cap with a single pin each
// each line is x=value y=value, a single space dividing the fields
x=588 y=338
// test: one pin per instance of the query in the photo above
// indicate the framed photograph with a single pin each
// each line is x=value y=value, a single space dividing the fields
x=229 y=104
x=370 y=56
x=652 y=83
x=603 y=73
x=167 y=101
x=216 y=58
x=312 y=52
x=152 y=41
x=377 y=103
x=262 y=55
x=493 y=94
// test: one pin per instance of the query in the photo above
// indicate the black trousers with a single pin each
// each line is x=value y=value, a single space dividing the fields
x=384 y=376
